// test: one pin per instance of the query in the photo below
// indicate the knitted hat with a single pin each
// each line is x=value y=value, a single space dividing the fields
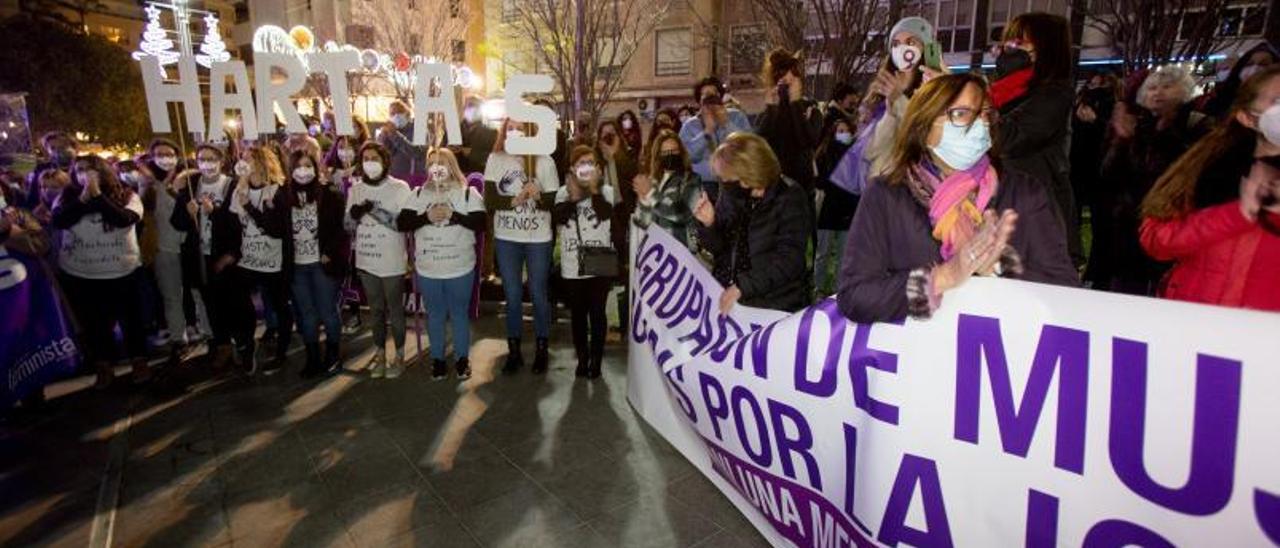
x=917 y=26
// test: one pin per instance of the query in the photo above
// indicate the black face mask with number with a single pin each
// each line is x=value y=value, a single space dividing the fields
x=1012 y=60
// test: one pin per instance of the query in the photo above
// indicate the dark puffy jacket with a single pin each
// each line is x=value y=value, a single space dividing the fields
x=226 y=232
x=838 y=204
x=891 y=236
x=777 y=237
x=793 y=129
x=1034 y=137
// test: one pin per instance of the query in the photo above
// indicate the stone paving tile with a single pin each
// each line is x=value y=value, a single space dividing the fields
x=377 y=519
x=654 y=521
x=526 y=515
x=170 y=523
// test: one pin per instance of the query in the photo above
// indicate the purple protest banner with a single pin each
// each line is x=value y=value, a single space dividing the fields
x=36 y=346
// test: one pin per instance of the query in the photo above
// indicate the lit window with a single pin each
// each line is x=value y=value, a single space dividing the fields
x=672 y=55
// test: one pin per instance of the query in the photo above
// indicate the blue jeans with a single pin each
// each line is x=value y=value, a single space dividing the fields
x=315 y=294
x=451 y=298
x=512 y=257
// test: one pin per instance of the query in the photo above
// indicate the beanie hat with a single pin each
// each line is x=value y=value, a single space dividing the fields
x=917 y=26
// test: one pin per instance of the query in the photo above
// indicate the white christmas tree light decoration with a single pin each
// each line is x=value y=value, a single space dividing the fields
x=213 y=49
x=155 y=40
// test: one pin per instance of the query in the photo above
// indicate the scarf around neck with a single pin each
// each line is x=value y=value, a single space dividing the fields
x=1011 y=87
x=955 y=202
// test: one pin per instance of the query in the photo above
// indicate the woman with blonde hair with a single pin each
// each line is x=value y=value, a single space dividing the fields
x=446 y=218
x=669 y=189
x=584 y=216
x=758 y=229
x=265 y=260
x=931 y=222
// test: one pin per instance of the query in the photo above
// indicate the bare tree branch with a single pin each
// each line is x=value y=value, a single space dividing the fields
x=1155 y=32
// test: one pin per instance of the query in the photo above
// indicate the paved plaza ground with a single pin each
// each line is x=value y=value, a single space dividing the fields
x=196 y=459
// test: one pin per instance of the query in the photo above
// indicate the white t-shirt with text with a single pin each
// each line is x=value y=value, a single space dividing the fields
x=93 y=250
x=595 y=231
x=445 y=251
x=258 y=251
x=525 y=223
x=306 y=240
x=380 y=248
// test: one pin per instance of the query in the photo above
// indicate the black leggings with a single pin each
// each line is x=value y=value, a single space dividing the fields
x=221 y=296
x=586 y=298
x=275 y=294
x=100 y=305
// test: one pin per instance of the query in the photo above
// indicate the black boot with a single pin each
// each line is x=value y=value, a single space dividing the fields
x=584 y=364
x=514 y=360
x=593 y=365
x=332 y=356
x=540 y=357
x=439 y=371
x=462 y=368
x=313 y=367
x=249 y=358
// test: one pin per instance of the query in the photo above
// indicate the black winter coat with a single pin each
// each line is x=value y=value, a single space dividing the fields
x=226 y=232
x=1034 y=137
x=777 y=235
x=838 y=204
x=793 y=130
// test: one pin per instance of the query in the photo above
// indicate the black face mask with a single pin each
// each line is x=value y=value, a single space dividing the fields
x=1012 y=60
x=671 y=162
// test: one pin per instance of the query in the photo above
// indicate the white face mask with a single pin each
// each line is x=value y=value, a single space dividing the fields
x=438 y=173
x=304 y=175
x=400 y=120
x=512 y=133
x=844 y=137
x=1248 y=71
x=905 y=56
x=372 y=170
x=209 y=169
x=961 y=147
x=167 y=163
x=627 y=123
x=1269 y=124
x=243 y=168
x=469 y=114
x=346 y=155
x=85 y=177
x=585 y=172
x=130 y=178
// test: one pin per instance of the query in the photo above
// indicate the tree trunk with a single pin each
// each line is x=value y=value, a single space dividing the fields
x=579 y=60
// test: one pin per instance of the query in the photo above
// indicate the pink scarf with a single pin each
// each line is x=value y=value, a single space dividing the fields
x=952 y=210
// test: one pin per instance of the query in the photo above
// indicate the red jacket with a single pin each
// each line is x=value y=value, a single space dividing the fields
x=1220 y=257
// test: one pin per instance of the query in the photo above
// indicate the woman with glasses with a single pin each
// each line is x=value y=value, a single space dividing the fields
x=1216 y=212
x=1034 y=96
x=932 y=221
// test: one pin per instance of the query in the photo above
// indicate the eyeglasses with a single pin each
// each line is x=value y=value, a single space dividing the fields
x=965 y=116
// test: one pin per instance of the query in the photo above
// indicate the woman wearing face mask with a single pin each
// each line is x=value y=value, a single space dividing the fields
x=263 y=209
x=758 y=230
x=665 y=119
x=60 y=152
x=519 y=191
x=446 y=217
x=211 y=246
x=1215 y=212
x=836 y=211
x=1143 y=145
x=669 y=190
x=583 y=216
x=632 y=135
x=1259 y=57
x=791 y=122
x=397 y=136
x=1034 y=97
x=342 y=162
x=320 y=252
x=99 y=259
x=931 y=223
x=913 y=57
x=375 y=201
x=159 y=199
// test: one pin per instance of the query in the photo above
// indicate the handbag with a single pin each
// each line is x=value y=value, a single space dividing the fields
x=594 y=260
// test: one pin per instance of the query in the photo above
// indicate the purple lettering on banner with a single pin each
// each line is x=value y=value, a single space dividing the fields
x=850 y=469
x=671 y=306
x=730 y=332
x=1213 y=431
x=675 y=377
x=893 y=528
x=801 y=444
x=1042 y=520
x=737 y=396
x=696 y=303
x=718 y=410
x=802 y=516
x=1117 y=533
x=1266 y=507
x=666 y=270
x=825 y=386
x=860 y=359
x=758 y=342
x=1060 y=349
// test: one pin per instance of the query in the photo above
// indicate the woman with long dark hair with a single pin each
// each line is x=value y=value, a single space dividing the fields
x=931 y=222
x=632 y=134
x=1034 y=97
x=669 y=189
x=791 y=122
x=320 y=249
x=1215 y=212
x=99 y=260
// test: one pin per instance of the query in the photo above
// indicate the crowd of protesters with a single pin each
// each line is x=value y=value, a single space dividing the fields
x=888 y=198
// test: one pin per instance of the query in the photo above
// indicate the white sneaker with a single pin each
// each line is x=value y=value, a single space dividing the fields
x=396 y=368
x=161 y=338
x=378 y=369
